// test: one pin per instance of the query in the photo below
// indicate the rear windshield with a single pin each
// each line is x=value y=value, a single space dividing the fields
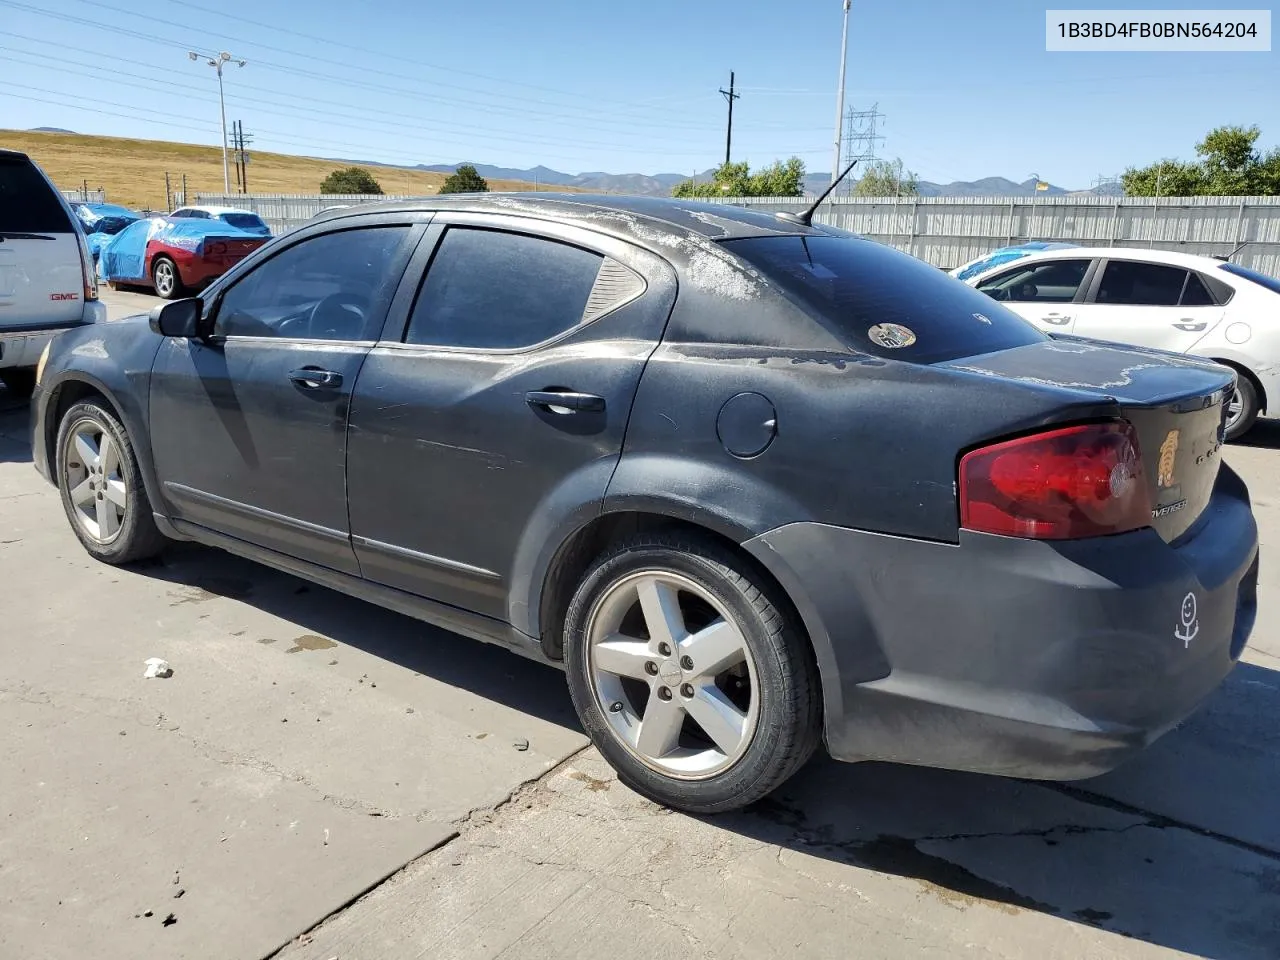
x=245 y=221
x=27 y=203
x=884 y=302
x=1271 y=283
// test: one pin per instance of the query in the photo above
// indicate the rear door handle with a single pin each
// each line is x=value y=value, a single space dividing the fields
x=564 y=401
x=313 y=378
x=1057 y=319
x=1191 y=326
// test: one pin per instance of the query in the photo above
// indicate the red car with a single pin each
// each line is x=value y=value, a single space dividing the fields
x=175 y=255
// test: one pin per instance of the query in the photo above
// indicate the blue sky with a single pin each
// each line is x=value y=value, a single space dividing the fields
x=967 y=90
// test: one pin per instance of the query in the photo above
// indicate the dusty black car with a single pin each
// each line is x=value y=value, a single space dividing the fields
x=754 y=484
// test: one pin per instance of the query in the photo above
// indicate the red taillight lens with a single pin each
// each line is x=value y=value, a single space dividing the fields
x=87 y=271
x=1081 y=481
x=216 y=248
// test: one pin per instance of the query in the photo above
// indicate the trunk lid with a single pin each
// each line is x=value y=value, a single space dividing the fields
x=1176 y=404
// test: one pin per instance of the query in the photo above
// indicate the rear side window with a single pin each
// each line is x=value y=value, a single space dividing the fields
x=1195 y=293
x=245 y=221
x=490 y=290
x=1130 y=283
x=1053 y=282
x=883 y=302
x=27 y=203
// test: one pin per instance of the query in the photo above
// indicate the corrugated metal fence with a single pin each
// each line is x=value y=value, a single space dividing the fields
x=98 y=195
x=948 y=231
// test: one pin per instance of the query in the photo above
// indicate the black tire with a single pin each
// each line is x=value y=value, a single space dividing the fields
x=19 y=381
x=139 y=537
x=164 y=289
x=1247 y=394
x=789 y=725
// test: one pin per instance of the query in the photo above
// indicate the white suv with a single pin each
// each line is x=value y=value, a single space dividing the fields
x=47 y=282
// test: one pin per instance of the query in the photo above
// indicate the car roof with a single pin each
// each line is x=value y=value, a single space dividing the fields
x=218 y=211
x=644 y=218
x=1173 y=258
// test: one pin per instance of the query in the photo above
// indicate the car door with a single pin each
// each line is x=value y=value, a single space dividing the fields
x=249 y=428
x=1148 y=304
x=509 y=386
x=1042 y=291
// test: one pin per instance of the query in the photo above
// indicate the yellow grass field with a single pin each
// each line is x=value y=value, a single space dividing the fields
x=132 y=171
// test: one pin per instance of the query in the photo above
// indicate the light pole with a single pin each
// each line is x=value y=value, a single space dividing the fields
x=218 y=62
x=844 y=55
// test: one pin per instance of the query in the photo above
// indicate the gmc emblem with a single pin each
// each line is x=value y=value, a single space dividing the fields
x=64 y=296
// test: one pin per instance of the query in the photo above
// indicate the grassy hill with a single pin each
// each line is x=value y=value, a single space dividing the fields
x=132 y=171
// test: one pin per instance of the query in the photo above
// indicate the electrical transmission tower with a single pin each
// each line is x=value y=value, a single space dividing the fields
x=861 y=138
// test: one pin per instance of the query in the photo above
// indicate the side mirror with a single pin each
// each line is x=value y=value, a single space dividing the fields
x=178 y=318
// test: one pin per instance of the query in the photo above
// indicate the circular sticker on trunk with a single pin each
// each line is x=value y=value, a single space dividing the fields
x=891 y=336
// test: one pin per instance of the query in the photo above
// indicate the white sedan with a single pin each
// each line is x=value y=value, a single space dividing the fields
x=1154 y=298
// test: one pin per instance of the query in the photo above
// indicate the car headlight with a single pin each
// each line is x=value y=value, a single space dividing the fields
x=44 y=358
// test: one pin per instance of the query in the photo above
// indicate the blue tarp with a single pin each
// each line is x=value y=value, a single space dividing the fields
x=105 y=217
x=1004 y=255
x=123 y=259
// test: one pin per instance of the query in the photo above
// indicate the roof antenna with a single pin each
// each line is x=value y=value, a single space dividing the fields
x=1231 y=256
x=805 y=219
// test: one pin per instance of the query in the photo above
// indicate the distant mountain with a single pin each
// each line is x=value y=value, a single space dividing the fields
x=52 y=130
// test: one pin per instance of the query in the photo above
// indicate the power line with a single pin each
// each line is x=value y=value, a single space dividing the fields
x=397 y=125
x=597 y=118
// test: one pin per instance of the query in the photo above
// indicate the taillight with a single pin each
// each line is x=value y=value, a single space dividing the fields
x=1082 y=481
x=216 y=248
x=87 y=272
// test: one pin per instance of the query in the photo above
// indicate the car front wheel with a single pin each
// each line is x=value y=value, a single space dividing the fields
x=168 y=282
x=689 y=675
x=101 y=487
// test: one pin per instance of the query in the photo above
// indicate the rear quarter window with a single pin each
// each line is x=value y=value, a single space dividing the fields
x=871 y=295
x=27 y=203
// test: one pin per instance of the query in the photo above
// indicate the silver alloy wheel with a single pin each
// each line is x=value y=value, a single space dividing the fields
x=164 y=276
x=672 y=674
x=94 y=477
x=1235 y=409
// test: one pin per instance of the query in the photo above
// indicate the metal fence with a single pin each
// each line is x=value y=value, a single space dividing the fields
x=948 y=231
x=283 y=212
x=86 y=195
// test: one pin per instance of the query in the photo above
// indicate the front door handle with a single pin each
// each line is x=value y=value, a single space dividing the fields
x=1191 y=326
x=564 y=401
x=313 y=378
x=1056 y=319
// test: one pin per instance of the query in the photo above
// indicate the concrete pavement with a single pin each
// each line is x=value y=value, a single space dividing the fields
x=309 y=745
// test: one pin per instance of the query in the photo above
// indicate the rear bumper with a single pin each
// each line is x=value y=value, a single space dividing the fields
x=1016 y=657
x=21 y=345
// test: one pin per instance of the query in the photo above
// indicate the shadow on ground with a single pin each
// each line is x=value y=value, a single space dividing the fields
x=1178 y=849
x=1265 y=434
x=14 y=427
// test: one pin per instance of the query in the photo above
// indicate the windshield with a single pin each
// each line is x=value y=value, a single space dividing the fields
x=245 y=221
x=1271 y=283
x=884 y=302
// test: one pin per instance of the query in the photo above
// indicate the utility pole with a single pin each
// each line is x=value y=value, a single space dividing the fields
x=730 y=96
x=168 y=194
x=844 y=57
x=218 y=61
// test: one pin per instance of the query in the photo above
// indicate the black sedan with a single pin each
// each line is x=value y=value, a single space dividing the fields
x=755 y=485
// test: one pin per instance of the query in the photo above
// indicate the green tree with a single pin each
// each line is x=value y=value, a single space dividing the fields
x=780 y=179
x=885 y=178
x=1229 y=165
x=466 y=179
x=350 y=180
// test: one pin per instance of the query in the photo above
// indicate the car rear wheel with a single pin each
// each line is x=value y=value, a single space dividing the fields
x=101 y=487
x=1242 y=408
x=689 y=675
x=168 y=282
